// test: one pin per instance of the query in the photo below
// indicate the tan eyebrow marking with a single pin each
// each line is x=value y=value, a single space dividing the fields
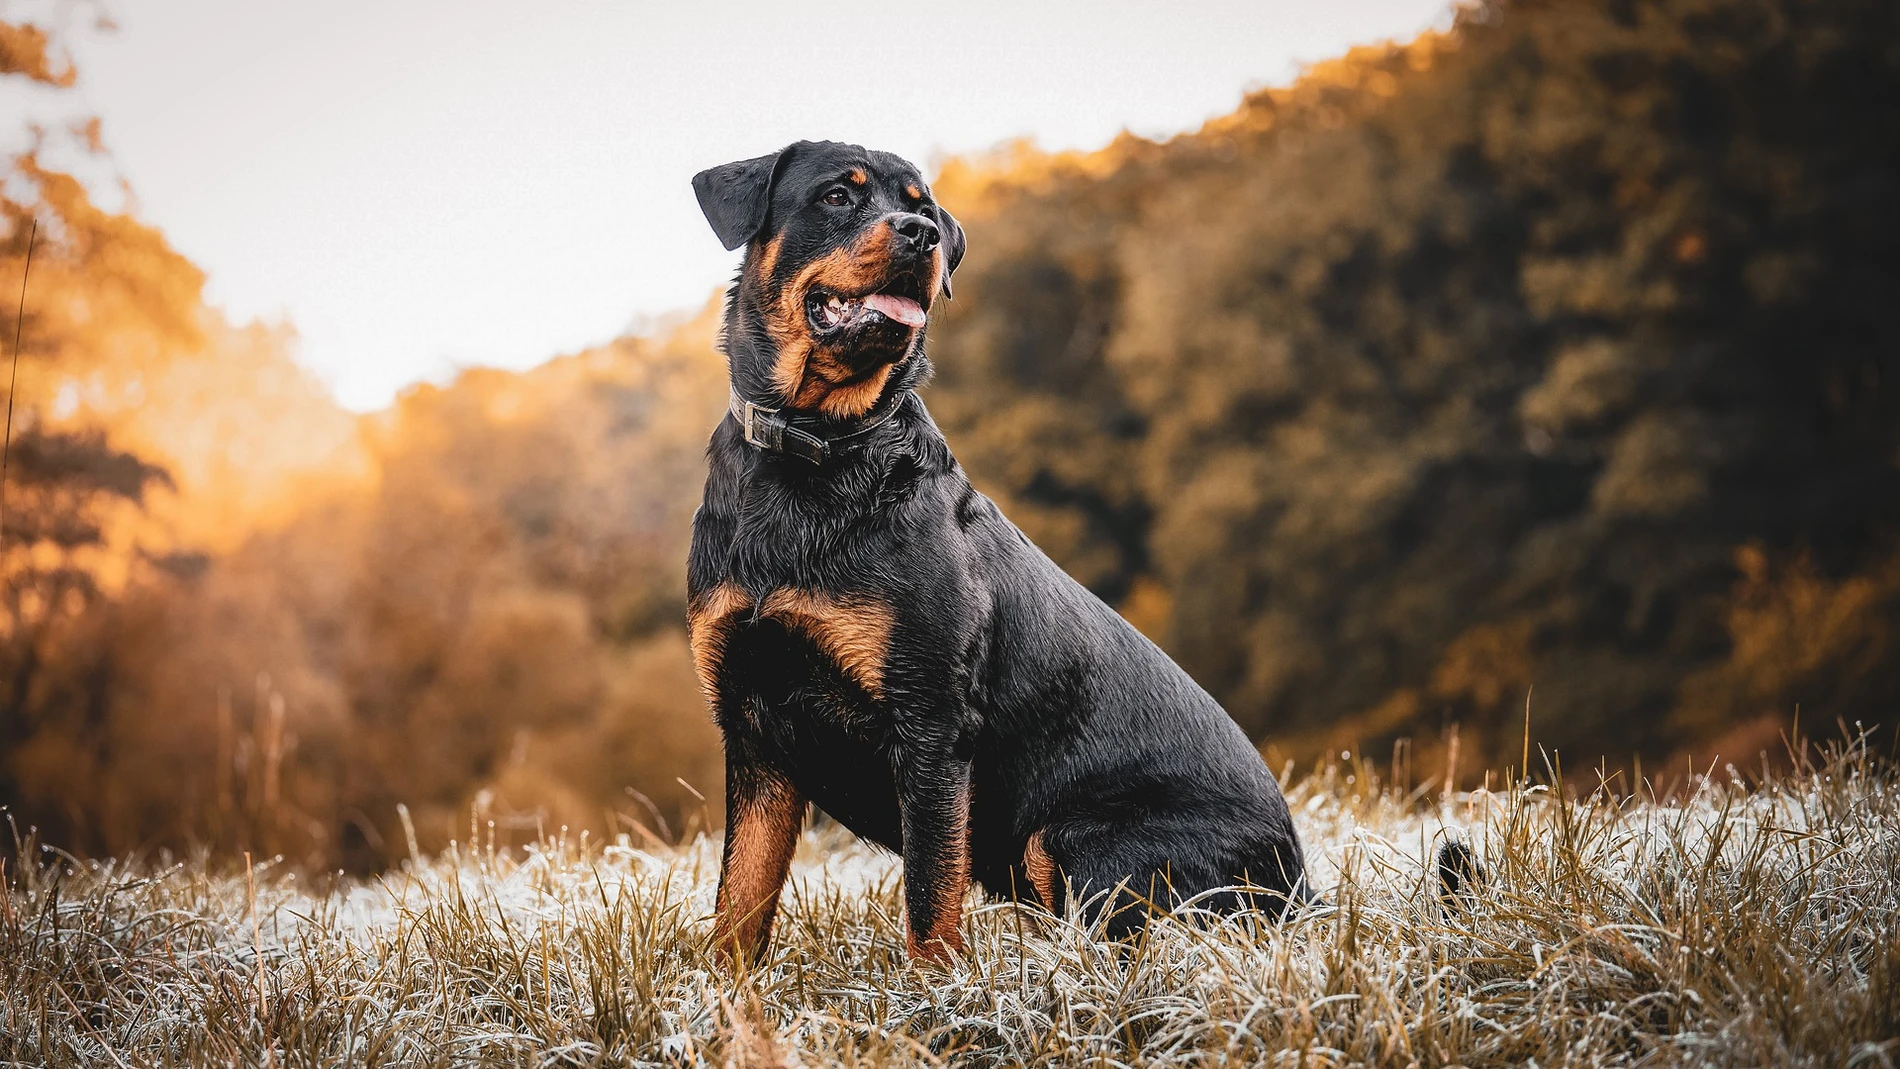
x=858 y=177
x=913 y=192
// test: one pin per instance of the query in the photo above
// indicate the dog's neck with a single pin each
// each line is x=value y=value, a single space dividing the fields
x=774 y=431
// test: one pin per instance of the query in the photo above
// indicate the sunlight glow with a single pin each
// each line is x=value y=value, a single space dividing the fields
x=427 y=185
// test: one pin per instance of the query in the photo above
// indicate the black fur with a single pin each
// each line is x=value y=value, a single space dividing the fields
x=1012 y=701
x=734 y=197
x=1460 y=875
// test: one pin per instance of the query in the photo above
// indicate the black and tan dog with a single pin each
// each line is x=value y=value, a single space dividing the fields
x=875 y=638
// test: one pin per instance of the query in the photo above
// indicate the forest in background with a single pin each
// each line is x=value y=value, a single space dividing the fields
x=1549 y=362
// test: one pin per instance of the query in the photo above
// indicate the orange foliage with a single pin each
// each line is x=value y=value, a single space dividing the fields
x=1455 y=369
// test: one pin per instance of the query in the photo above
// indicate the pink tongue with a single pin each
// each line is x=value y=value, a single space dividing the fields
x=902 y=309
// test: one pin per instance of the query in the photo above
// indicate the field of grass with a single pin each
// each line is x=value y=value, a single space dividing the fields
x=1741 y=923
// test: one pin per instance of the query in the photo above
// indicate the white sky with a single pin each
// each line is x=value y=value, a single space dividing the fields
x=419 y=185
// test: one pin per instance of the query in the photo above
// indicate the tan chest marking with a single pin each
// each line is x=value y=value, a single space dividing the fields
x=852 y=630
x=709 y=623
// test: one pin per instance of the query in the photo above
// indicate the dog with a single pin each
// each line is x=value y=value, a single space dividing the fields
x=875 y=638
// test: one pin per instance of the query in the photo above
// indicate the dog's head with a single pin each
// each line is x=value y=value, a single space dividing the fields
x=845 y=253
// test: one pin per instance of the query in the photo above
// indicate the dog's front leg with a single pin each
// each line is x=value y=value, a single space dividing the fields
x=933 y=795
x=763 y=815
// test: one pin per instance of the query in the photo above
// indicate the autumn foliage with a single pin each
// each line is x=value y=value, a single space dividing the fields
x=1545 y=363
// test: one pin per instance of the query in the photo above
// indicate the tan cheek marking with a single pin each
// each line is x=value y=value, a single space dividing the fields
x=784 y=318
x=858 y=267
x=830 y=391
x=806 y=375
x=788 y=368
x=766 y=259
x=938 y=263
x=855 y=632
x=852 y=399
x=1041 y=871
x=803 y=373
x=709 y=622
x=786 y=322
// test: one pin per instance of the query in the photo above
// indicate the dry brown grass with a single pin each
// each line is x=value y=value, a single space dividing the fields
x=1744 y=923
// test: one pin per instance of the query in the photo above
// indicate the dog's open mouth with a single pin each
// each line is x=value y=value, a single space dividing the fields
x=900 y=302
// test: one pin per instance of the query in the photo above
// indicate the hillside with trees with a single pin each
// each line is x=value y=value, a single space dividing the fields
x=1547 y=363
x=1552 y=357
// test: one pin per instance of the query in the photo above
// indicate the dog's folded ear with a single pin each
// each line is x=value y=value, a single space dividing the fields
x=736 y=196
x=952 y=245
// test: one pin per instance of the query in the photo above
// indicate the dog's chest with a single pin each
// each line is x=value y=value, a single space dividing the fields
x=850 y=631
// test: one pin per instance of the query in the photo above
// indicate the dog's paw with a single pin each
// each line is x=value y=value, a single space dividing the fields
x=941 y=950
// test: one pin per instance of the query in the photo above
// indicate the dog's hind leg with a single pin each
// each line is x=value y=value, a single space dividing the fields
x=1126 y=871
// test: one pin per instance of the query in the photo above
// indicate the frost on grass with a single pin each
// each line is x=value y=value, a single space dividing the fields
x=1742 y=924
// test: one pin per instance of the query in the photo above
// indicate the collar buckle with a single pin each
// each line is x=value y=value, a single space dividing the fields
x=770 y=430
x=765 y=434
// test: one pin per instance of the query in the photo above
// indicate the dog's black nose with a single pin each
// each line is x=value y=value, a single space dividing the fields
x=920 y=232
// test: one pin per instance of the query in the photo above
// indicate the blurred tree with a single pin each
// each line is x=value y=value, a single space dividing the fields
x=100 y=285
x=1469 y=365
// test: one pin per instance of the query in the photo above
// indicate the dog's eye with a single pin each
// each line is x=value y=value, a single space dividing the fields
x=837 y=198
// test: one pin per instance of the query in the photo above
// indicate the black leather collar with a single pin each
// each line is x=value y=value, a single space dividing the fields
x=774 y=431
